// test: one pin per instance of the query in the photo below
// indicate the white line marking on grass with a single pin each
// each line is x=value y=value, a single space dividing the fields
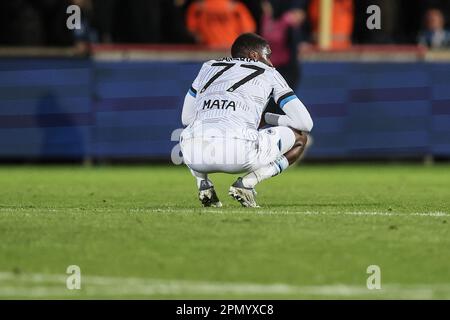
x=50 y=285
x=229 y=210
x=287 y=212
x=420 y=214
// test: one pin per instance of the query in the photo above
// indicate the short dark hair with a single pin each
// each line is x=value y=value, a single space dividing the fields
x=245 y=43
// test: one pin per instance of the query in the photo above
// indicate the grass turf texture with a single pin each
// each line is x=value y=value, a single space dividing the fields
x=138 y=232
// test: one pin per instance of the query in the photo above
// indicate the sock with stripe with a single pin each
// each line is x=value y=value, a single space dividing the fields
x=199 y=177
x=271 y=170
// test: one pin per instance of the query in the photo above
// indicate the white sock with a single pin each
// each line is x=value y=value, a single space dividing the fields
x=266 y=172
x=199 y=177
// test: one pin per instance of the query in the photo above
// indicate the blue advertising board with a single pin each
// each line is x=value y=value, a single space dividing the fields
x=76 y=108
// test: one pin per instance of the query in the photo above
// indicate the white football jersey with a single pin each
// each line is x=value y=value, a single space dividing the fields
x=232 y=93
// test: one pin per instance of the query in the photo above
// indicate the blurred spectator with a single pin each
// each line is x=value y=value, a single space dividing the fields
x=342 y=22
x=217 y=23
x=175 y=31
x=434 y=35
x=254 y=6
x=443 y=5
x=281 y=25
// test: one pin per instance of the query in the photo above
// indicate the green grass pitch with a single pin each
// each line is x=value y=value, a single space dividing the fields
x=138 y=232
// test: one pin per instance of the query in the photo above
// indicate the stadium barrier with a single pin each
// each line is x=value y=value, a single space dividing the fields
x=125 y=102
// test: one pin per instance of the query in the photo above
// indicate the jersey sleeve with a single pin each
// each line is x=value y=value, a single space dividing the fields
x=194 y=87
x=188 y=112
x=282 y=92
x=198 y=80
x=296 y=114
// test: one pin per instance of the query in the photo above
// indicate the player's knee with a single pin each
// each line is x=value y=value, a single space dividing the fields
x=301 y=138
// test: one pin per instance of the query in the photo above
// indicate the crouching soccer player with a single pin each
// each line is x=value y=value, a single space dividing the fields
x=222 y=111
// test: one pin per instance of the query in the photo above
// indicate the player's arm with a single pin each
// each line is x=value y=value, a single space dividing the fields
x=296 y=115
x=188 y=113
x=189 y=109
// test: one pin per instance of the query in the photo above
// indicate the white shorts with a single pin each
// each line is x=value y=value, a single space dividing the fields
x=235 y=155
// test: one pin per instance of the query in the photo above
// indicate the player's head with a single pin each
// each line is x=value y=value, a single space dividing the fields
x=250 y=45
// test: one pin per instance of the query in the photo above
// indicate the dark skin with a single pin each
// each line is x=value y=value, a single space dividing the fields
x=301 y=138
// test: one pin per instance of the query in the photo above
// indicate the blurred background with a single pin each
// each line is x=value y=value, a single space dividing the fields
x=113 y=89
